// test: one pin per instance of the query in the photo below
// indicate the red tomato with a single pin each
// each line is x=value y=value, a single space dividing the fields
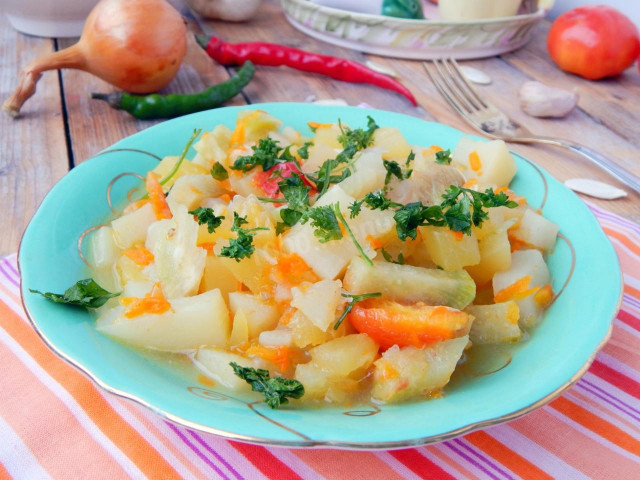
x=268 y=182
x=593 y=42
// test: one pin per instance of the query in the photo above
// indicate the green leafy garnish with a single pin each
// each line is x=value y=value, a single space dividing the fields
x=85 y=293
x=219 y=172
x=303 y=151
x=358 y=138
x=265 y=154
x=323 y=178
x=354 y=299
x=325 y=223
x=176 y=167
x=241 y=247
x=443 y=157
x=387 y=256
x=275 y=390
x=375 y=201
x=395 y=170
x=208 y=216
x=455 y=211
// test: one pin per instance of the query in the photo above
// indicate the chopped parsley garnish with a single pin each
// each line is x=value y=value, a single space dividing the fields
x=303 y=151
x=375 y=201
x=359 y=138
x=325 y=223
x=443 y=157
x=455 y=211
x=387 y=256
x=354 y=299
x=275 y=390
x=208 y=216
x=84 y=293
x=265 y=154
x=241 y=247
x=219 y=172
x=323 y=178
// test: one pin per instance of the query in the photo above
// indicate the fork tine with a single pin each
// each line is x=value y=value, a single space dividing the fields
x=453 y=88
x=460 y=85
x=435 y=78
x=471 y=90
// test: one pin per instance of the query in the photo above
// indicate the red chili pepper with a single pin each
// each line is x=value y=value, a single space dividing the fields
x=274 y=55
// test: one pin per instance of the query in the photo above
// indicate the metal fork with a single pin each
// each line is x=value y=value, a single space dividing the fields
x=482 y=115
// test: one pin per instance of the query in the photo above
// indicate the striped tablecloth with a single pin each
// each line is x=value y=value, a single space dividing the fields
x=54 y=423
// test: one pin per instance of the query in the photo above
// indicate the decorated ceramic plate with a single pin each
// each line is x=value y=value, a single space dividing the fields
x=584 y=268
x=413 y=39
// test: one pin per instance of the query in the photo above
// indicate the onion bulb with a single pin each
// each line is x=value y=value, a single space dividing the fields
x=135 y=45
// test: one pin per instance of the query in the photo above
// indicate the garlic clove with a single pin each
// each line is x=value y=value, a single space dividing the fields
x=540 y=100
x=595 y=189
x=475 y=76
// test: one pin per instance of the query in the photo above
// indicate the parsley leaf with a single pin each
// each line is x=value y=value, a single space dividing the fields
x=395 y=170
x=241 y=247
x=387 y=256
x=85 y=293
x=413 y=215
x=265 y=154
x=219 y=172
x=275 y=390
x=303 y=151
x=443 y=157
x=358 y=138
x=325 y=223
x=375 y=201
x=208 y=216
x=354 y=299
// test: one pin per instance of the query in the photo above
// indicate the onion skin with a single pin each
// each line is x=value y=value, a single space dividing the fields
x=135 y=45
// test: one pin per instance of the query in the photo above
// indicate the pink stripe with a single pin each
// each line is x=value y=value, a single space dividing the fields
x=9 y=276
x=215 y=454
x=197 y=451
x=11 y=267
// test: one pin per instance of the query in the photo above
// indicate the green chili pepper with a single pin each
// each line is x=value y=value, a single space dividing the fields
x=174 y=105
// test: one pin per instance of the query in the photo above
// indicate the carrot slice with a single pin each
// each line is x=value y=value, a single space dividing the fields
x=157 y=197
x=280 y=356
x=139 y=255
x=153 y=302
x=516 y=291
x=390 y=323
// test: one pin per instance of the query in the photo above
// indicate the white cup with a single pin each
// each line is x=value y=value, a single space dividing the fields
x=48 y=18
x=460 y=10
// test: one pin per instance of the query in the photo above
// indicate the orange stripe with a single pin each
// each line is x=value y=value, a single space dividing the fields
x=623 y=354
x=597 y=425
x=575 y=448
x=342 y=464
x=9 y=292
x=623 y=239
x=629 y=290
x=135 y=411
x=3 y=473
x=506 y=456
x=604 y=410
x=457 y=467
x=37 y=416
x=146 y=458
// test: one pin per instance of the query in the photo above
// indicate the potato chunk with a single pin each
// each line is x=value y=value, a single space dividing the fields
x=410 y=372
x=495 y=256
x=190 y=323
x=318 y=302
x=412 y=284
x=368 y=174
x=191 y=190
x=131 y=228
x=214 y=363
x=260 y=315
x=495 y=323
x=537 y=231
x=335 y=362
x=450 y=250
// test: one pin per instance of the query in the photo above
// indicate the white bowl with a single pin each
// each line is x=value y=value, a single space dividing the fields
x=48 y=18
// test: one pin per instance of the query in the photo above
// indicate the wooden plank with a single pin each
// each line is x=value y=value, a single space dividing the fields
x=282 y=84
x=33 y=146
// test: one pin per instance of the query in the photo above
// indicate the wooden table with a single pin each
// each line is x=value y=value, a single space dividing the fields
x=61 y=126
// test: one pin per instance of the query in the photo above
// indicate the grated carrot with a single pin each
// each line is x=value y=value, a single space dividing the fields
x=544 y=296
x=153 y=302
x=387 y=371
x=139 y=255
x=157 y=197
x=292 y=270
x=287 y=316
x=374 y=242
x=279 y=356
x=474 y=162
x=516 y=291
x=472 y=182
x=457 y=235
x=316 y=125
x=436 y=148
x=208 y=246
x=204 y=380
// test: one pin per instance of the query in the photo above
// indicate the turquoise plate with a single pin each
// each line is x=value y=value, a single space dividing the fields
x=558 y=352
